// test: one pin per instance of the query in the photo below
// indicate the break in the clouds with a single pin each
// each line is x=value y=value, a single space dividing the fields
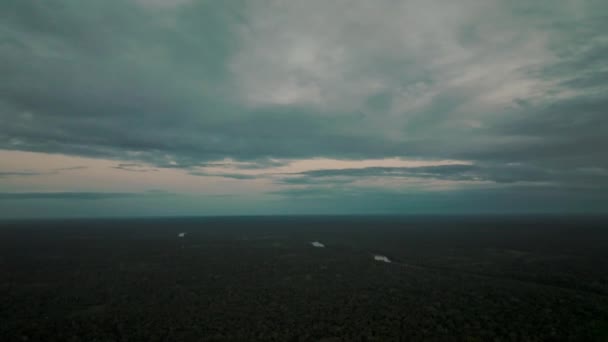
x=271 y=101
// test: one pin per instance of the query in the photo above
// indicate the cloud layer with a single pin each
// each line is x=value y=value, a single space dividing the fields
x=514 y=91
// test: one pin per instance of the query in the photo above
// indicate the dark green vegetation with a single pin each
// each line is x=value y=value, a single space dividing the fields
x=461 y=279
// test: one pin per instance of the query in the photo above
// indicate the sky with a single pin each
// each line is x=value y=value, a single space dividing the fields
x=261 y=107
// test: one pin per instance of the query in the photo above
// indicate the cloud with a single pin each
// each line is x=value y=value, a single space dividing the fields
x=459 y=175
x=4 y=174
x=74 y=195
x=411 y=70
x=224 y=175
x=71 y=168
x=133 y=167
x=19 y=174
x=163 y=3
x=515 y=88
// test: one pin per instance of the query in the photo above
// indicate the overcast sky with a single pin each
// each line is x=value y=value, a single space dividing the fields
x=201 y=107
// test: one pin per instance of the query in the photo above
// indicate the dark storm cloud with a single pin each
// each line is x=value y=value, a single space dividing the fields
x=182 y=84
x=565 y=131
x=101 y=79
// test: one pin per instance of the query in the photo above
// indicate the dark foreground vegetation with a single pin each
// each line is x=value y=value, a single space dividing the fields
x=248 y=279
